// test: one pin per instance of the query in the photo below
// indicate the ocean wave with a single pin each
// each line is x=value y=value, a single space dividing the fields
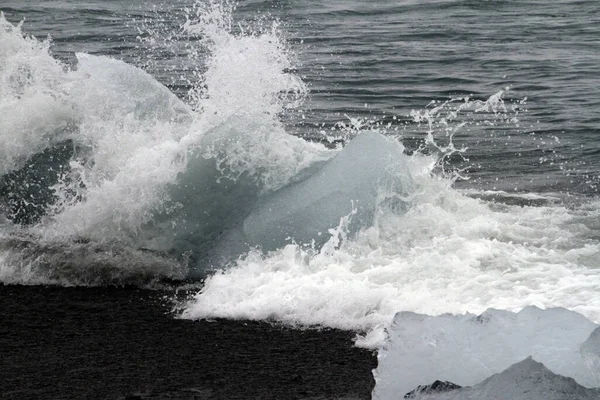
x=116 y=180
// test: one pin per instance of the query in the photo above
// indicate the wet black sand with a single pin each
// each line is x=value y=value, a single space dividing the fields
x=114 y=343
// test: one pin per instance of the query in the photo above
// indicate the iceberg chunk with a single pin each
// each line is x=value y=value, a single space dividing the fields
x=353 y=181
x=466 y=349
x=590 y=351
x=526 y=380
x=115 y=89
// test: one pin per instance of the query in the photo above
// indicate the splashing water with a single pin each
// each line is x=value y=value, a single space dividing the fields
x=143 y=158
x=154 y=187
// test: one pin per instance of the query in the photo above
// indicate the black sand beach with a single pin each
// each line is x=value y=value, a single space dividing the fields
x=117 y=343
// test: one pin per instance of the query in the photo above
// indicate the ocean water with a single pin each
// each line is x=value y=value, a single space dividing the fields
x=316 y=163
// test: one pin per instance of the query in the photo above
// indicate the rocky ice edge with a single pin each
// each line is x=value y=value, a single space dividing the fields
x=525 y=380
x=466 y=349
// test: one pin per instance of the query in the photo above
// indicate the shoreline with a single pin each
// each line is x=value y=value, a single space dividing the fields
x=118 y=343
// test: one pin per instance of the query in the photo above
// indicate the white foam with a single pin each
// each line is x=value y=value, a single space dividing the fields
x=447 y=253
x=30 y=79
x=134 y=135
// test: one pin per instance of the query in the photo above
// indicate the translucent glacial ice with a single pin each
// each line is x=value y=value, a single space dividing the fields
x=116 y=90
x=231 y=214
x=466 y=349
x=355 y=181
x=218 y=214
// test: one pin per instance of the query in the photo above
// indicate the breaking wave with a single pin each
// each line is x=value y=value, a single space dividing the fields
x=116 y=180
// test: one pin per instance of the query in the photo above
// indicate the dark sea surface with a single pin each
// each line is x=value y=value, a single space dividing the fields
x=149 y=148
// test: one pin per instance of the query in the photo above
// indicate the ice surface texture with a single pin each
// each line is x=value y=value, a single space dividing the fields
x=467 y=349
x=526 y=380
x=352 y=182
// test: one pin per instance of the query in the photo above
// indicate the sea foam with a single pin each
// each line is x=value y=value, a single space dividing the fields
x=281 y=228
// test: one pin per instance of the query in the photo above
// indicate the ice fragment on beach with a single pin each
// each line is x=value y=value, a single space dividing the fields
x=590 y=351
x=467 y=349
x=525 y=380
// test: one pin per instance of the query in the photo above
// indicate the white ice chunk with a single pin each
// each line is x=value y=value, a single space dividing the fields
x=590 y=351
x=526 y=380
x=466 y=349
